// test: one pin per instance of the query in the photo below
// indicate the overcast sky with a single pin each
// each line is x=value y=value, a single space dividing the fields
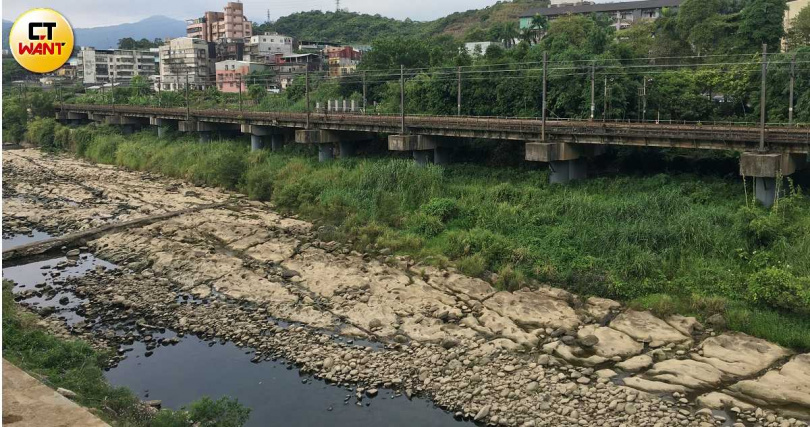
x=95 y=13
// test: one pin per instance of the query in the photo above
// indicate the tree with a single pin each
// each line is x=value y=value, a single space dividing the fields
x=799 y=32
x=762 y=22
x=142 y=44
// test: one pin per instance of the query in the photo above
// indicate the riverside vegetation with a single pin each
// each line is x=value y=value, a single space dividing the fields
x=670 y=243
x=76 y=366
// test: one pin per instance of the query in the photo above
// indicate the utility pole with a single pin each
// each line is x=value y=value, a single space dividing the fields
x=593 y=87
x=402 y=98
x=762 y=97
x=458 y=109
x=792 y=83
x=188 y=106
x=112 y=91
x=604 y=109
x=239 y=76
x=306 y=84
x=644 y=101
x=160 y=86
x=365 y=99
x=545 y=65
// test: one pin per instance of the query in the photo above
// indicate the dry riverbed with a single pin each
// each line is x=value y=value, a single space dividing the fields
x=279 y=286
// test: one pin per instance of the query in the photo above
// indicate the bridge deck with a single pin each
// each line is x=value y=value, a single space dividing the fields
x=696 y=136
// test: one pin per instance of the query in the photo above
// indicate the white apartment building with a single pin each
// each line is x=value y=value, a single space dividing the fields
x=114 y=65
x=264 y=47
x=186 y=60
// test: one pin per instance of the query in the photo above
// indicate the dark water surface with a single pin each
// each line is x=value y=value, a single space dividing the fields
x=182 y=373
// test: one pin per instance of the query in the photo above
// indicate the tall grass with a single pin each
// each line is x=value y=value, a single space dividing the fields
x=618 y=237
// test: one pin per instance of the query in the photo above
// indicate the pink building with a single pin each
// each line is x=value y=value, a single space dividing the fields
x=231 y=73
x=231 y=24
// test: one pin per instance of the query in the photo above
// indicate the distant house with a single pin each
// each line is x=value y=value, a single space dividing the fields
x=623 y=14
x=231 y=74
x=479 y=47
x=342 y=60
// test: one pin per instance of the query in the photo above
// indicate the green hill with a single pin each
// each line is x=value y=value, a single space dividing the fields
x=351 y=27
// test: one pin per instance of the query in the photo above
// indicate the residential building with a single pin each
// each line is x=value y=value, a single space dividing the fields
x=229 y=49
x=231 y=74
x=113 y=65
x=623 y=14
x=342 y=60
x=186 y=60
x=230 y=24
x=68 y=71
x=793 y=9
x=479 y=48
x=265 y=47
x=290 y=67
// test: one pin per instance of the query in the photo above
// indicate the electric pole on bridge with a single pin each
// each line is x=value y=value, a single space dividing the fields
x=365 y=98
x=188 y=106
x=545 y=65
x=604 y=109
x=593 y=87
x=458 y=109
x=306 y=84
x=402 y=98
x=792 y=83
x=239 y=77
x=762 y=97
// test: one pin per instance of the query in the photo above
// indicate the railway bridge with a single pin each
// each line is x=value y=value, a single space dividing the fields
x=767 y=153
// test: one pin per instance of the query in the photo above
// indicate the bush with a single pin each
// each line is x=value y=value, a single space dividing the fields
x=424 y=224
x=509 y=279
x=443 y=208
x=41 y=133
x=259 y=183
x=224 y=412
x=778 y=288
x=474 y=265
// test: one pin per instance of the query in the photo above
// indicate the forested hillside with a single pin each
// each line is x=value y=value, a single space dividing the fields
x=351 y=27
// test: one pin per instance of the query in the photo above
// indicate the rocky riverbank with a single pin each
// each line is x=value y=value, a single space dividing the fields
x=281 y=287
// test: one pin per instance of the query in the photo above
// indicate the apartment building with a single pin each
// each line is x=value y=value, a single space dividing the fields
x=342 y=60
x=114 y=65
x=187 y=60
x=265 y=47
x=213 y=26
x=290 y=67
x=623 y=14
x=231 y=74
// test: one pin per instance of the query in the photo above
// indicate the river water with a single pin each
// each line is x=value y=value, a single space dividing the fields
x=277 y=393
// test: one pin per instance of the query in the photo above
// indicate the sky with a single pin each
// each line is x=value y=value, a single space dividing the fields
x=96 y=13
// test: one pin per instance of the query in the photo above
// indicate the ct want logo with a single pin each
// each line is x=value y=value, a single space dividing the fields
x=41 y=40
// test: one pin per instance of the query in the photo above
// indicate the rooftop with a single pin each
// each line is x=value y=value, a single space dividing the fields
x=601 y=7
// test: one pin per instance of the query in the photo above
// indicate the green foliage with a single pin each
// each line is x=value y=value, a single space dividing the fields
x=224 y=412
x=762 y=22
x=142 y=44
x=799 y=33
x=779 y=288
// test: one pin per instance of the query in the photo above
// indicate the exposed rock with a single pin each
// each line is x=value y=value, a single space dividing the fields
x=599 y=308
x=65 y=392
x=738 y=354
x=636 y=363
x=644 y=327
x=610 y=342
x=787 y=389
x=685 y=325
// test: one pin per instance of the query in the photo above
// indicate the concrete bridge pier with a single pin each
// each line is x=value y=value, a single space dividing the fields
x=423 y=157
x=347 y=149
x=204 y=129
x=276 y=142
x=567 y=162
x=162 y=126
x=260 y=134
x=768 y=171
x=425 y=148
x=126 y=124
x=326 y=152
x=327 y=140
x=441 y=155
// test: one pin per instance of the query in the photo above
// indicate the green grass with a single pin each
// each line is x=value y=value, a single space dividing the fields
x=76 y=366
x=623 y=237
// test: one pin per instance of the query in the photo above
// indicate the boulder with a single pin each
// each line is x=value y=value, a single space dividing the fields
x=611 y=343
x=786 y=389
x=740 y=355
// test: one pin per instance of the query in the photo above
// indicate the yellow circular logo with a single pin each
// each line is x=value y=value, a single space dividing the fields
x=41 y=40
